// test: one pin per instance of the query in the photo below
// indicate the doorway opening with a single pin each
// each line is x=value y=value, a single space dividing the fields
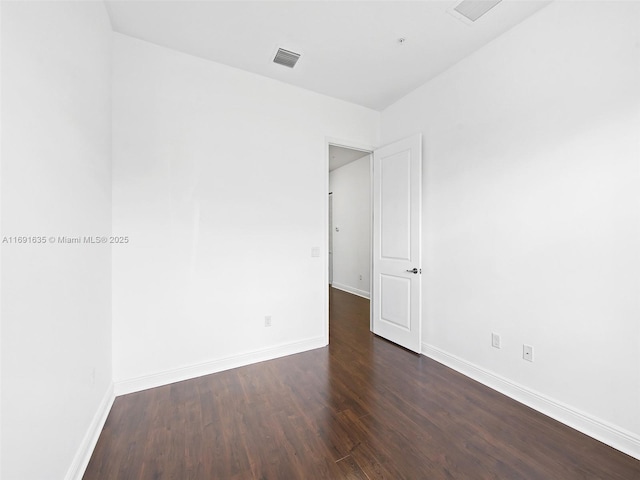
x=349 y=220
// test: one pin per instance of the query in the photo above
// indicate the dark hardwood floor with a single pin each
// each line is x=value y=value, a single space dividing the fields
x=361 y=408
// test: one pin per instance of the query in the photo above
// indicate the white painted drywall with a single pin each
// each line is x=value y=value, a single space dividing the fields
x=532 y=206
x=351 y=187
x=56 y=180
x=220 y=182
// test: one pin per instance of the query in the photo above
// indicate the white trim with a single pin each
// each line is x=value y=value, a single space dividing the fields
x=1 y=309
x=325 y=256
x=371 y=207
x=85 y=450
x=340 y=142
x=123 y=387
x=348 y=289
x=601 y=430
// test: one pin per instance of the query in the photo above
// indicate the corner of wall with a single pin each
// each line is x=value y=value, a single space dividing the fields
x=90 y=439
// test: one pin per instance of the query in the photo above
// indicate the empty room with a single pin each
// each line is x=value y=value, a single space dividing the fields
x=320 y=239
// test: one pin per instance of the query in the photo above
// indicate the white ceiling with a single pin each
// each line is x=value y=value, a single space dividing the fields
x=340 y=156
x=350 y=49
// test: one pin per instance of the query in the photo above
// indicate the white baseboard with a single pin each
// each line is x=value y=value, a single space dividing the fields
x=601 y=430
x=348 y=289
x=83 y=454
x=159 y=379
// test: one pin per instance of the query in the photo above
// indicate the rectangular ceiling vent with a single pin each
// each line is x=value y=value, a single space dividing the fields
x=473 y=9
x=286 y=58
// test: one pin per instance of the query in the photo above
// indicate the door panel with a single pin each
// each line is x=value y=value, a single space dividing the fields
x=395 y=296
x=397 y=201
x=395 y=221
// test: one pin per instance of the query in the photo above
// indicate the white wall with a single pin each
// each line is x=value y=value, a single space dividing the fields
x=220 y=181
x=532 y=212
x=351 y=187
x=56 y=180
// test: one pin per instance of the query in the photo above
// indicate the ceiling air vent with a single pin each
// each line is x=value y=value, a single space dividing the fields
x=286 y=58
x=474 y=9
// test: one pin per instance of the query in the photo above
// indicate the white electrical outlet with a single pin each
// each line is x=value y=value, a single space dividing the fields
x=495 y=340
x=267 y=321
x=360 y=277
x=527 y=353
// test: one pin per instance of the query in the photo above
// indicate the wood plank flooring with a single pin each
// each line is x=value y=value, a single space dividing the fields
x=361 y=408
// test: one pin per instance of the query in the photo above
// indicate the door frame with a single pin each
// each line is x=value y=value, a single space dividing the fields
x=353 y=145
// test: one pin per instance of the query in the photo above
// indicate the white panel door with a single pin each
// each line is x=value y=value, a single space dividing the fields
x=397 y=200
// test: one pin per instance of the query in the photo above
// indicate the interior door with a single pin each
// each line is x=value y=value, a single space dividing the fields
x=397 y=269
